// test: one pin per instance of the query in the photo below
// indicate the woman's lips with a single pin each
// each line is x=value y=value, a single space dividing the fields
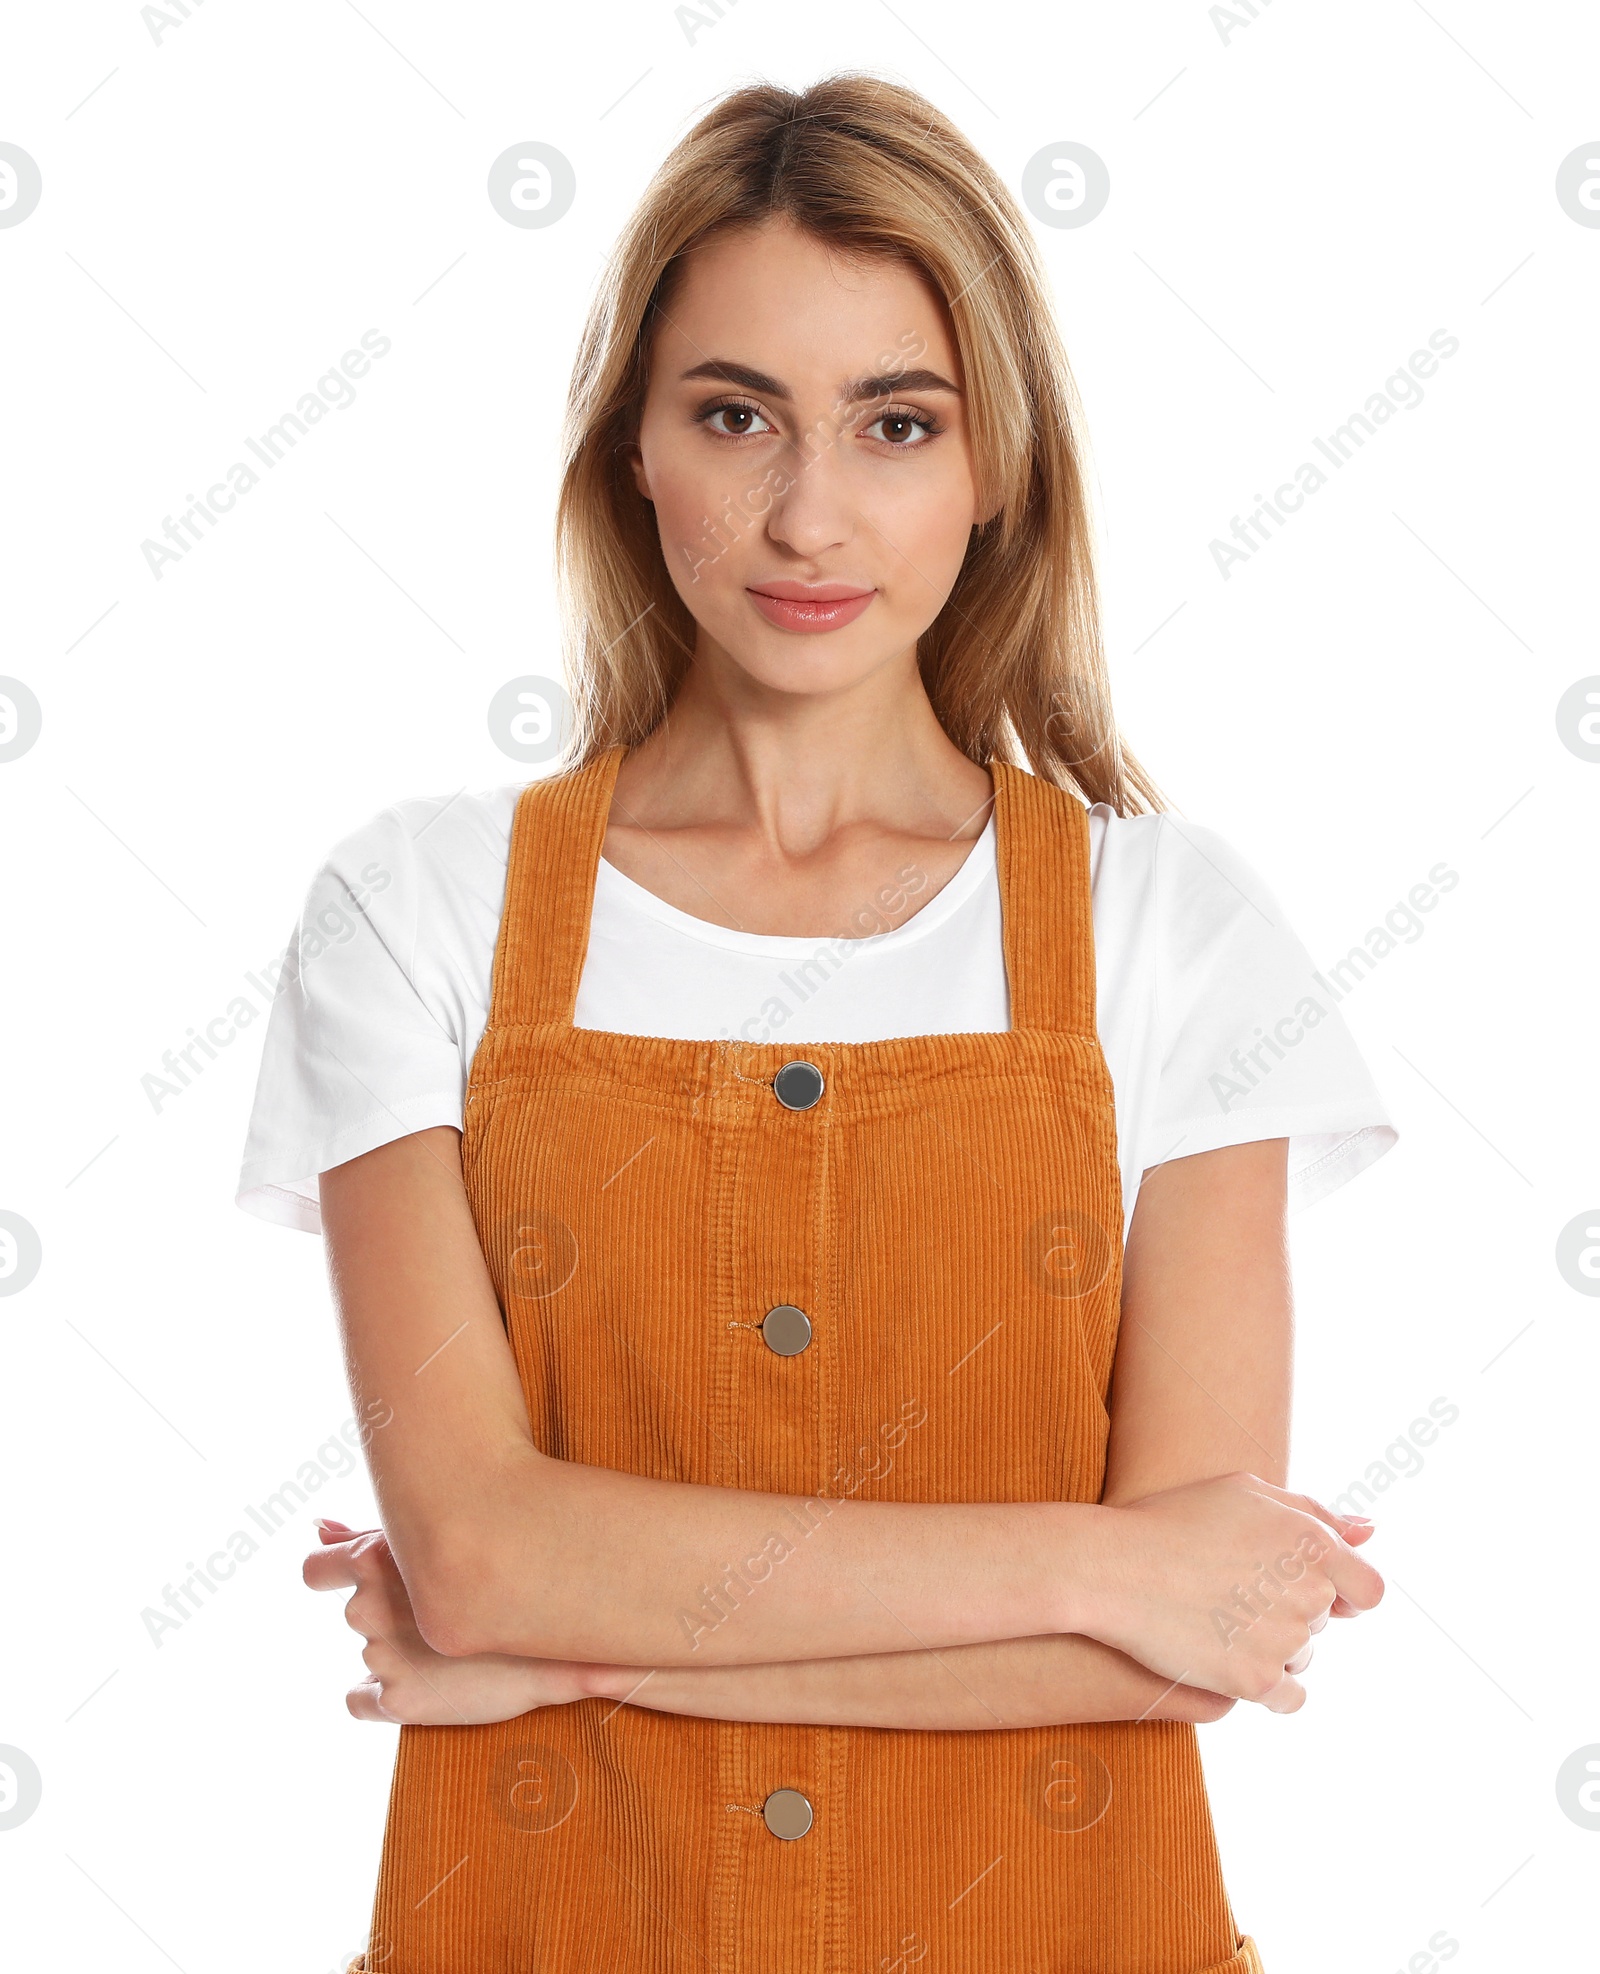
x=793 y=614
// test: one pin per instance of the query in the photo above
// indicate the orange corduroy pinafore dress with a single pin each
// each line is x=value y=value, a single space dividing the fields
x=946 y=1215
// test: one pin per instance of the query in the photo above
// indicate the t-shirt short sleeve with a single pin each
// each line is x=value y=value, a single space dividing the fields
x=1246 y=1034
x=358 y=1050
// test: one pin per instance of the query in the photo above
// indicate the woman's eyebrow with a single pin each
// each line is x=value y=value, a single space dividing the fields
x=724 y=371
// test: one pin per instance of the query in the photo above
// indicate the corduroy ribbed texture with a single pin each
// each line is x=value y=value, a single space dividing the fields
x=949 y=1216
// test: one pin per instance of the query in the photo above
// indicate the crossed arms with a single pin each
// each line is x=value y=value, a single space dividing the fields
x=502 y=1579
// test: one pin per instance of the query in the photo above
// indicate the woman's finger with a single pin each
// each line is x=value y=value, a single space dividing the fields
x=331 y=1531
x=1359 y=1585
x=374 y=1616
x=365 y=1701
x=331 y=1569
x=1287 y=1697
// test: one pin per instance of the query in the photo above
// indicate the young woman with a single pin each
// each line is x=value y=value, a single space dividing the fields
x=804 y=1190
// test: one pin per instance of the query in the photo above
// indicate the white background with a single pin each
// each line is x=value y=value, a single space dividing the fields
x=1294 y=208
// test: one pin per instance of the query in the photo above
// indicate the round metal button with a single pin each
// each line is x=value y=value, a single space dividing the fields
x=786 y=1329
x=798 y=1085
x=786 y=1813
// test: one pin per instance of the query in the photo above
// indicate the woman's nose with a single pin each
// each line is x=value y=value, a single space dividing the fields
x=815 y=510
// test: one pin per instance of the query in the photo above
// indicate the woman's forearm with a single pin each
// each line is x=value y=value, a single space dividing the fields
x=1014 y=1682
x=569 y=1561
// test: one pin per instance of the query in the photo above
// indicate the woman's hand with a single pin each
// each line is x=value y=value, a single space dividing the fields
x=408 y=1683
x=1221 y=1583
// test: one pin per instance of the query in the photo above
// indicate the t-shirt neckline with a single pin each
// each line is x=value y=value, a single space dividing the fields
x=977 y=867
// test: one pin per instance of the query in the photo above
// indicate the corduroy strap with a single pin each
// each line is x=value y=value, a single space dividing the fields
x=556 y=832
x=559 y=825
x=1042 y=845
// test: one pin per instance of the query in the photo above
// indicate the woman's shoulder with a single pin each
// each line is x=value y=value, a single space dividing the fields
x=1160 y=865
x=419 y=883
x=1242 y=1036
x=422 y=835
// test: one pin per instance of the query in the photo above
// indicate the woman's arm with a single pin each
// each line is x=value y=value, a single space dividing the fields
x=505 y=1550
x=1216 y=1321
x=1201 y=1382
x=1021 y=1682
x=1013 y=1682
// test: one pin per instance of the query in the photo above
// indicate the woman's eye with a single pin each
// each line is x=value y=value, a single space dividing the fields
x=745 y=412
x=900 y=424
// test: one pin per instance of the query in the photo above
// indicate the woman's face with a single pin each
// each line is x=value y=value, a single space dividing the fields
x=804 y=431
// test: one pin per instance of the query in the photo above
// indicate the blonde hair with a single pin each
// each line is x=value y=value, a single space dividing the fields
x=1015 y=656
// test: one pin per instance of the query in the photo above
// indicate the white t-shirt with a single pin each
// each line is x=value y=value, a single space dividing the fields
x=1216 y=1027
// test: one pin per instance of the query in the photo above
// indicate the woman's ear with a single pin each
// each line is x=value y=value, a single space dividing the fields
x=987 y=513
x=636 y=462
